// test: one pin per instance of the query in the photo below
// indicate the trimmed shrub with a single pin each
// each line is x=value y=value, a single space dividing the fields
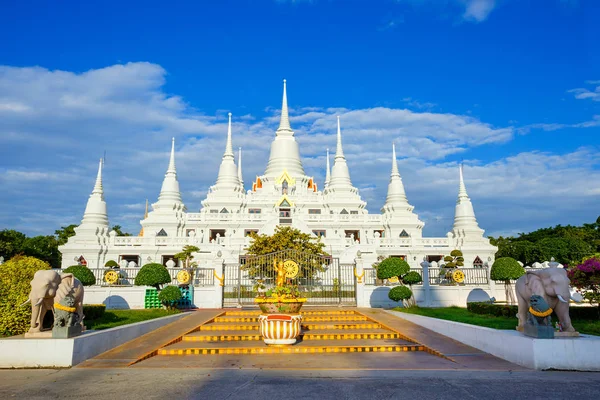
x=506 y=269
x=152 y=274
x=93 y=311
x=169 y=296
x=400 y=293
x=15 y=277
x=456 y=253
x=83 y=273
x=412 y=278
x=111 y=264
x=391 y=267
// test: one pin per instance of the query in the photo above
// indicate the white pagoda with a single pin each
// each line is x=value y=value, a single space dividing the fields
x=283 y=196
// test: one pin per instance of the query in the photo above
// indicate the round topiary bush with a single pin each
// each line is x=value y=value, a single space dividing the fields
x=400 y=293
x=412 y=278
x=169 y=295
x=15 y=276
x=111 y=264
x=391 y=267
x=506 y=269
x=456 y=253
x=83 y=273
x=152 y=274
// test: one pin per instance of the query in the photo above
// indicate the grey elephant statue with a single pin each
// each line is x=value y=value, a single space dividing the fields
x=552 y=284
x=49 y=287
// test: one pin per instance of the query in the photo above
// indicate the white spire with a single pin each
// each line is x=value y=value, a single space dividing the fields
x=228 y=177
x=396 y=196
x=339 y=152
x=228 y=146
x=284 y=155
x=340 y=175
x=95 y=210
x=284 y=123
x=169 y=192
x=240 y=167
x=464 y=217
x=328 y=171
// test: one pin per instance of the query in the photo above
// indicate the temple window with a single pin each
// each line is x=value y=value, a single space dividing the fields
x=130 y=258
x=353 y=234
x=314 y=211
x=344 y=211
x=402 y=257
x=216 y=233
x=254 y=211
x=161 y=233
x=167 y=258
x=248 y=232
x=319 y=233
x=435 y=258
x=381 y=233
x=214 y=211
x=404 y=234
x=477 y=262
x=354 y=212
x=188 y=232
x=224 y=211
x=284 y=187
x=284 y=212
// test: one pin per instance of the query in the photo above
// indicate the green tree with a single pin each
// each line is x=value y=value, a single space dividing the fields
x=11 y=243
x=64 y=233
x=507 y=269
x=118 y=229
x=185 y=255
x=285 y=238
x=152 y=274
x=83 y=273
x=43 y=247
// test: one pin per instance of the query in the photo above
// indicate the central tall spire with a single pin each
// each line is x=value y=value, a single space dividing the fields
x=95 y=211
x=396 y=196
x=228 y=177
x=340 y=175
x=284 y=123
x=285 y=155
x=464 y=217
x=169 y=192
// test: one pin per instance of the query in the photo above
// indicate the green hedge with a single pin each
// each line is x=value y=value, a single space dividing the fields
x=83 y=273
x=111 y=264
x=502 y=310
x=93 y=311
x=400 y=293
x=505 y=269
x=392 y=267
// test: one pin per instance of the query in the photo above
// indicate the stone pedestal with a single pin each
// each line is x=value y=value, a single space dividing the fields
x=539 y=331
x=38 y=335
x=65 y=332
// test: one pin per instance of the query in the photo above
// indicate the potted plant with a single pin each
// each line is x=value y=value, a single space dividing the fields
x=280 y=323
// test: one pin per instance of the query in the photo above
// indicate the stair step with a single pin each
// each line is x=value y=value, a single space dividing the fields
x=306 y=327
x=250 y=313
x=305 y=318
x=344 y=346
x=321 y=335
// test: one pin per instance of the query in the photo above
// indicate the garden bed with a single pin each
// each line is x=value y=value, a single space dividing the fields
x=457 y=314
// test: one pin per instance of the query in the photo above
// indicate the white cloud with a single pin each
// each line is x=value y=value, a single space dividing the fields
x=478 y=10
x=584 y=93
x=67 y=121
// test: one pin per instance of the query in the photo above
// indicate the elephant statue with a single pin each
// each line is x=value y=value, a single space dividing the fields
x=552 y=284
x=49 y=287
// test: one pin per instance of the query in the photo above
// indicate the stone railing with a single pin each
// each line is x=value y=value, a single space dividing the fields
x=200 y=276
x=473 y=276
x=370 y=277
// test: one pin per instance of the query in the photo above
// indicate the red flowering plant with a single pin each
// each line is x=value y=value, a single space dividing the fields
x=586 y=278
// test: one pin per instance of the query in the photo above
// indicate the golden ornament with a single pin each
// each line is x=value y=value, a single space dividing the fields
x=458 y=276
x=291 y=269
x=111 y=277
x=183 y=277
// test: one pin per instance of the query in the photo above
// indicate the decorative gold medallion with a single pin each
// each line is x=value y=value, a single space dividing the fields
x=111 y=277
x=393 y=279
x=458 y=276
x=291 y=269
x=183 y=277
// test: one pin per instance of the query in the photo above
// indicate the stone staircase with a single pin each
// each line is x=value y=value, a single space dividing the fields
x=323 y=331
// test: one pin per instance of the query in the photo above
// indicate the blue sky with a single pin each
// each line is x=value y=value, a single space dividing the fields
x=510 y=87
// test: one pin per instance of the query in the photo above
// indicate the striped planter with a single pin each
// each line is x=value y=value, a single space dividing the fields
x=279 y=329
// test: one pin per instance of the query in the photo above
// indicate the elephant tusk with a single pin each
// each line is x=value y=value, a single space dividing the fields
x=28 y=300
x=561 y=298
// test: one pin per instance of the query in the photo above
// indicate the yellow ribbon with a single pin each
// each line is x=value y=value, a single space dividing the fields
x=540 y=314
x=65 y=308
x=220 y=279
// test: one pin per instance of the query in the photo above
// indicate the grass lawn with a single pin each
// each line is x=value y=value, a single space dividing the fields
x=458 y=314
x=112 y=318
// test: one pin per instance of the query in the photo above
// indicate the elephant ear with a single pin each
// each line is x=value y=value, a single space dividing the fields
x=66 y=285
x=528 y=273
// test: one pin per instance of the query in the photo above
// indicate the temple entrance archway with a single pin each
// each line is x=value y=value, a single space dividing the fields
x=324 y=280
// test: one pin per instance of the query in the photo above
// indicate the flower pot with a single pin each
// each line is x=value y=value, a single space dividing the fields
x=280 y=307
x=280 y=329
